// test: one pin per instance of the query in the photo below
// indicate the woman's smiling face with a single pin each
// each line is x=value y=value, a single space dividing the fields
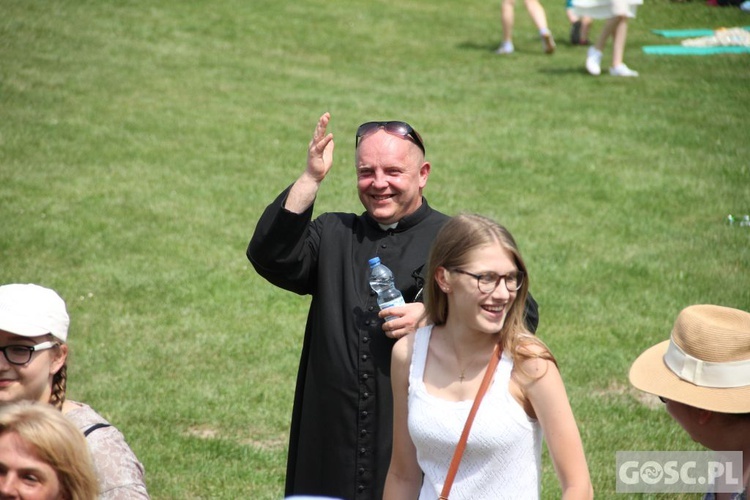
x=484 y=312
x=33 y=380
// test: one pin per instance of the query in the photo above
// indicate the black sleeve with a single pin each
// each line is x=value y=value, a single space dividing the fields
x=531 y=314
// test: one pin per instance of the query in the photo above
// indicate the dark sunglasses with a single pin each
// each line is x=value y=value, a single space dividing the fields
x=401 y=129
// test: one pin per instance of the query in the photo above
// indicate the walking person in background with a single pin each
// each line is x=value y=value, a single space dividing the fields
x=617 y=13
x=538 y=16
x=340 y=438
x=580 y=26
x=702 y=375
x=476 y=287
x=43 y=456
x=33 y=334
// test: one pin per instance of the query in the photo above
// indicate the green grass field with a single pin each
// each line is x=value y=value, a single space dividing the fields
x=140 y=141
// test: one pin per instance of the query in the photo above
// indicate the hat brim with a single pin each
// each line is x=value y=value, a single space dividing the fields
x=650 y=374
x=21 y=327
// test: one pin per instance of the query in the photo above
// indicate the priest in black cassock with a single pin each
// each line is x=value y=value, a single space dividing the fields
x=340 y=440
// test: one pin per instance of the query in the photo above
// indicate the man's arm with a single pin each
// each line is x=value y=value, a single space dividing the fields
x=277 y=249
x=319 y=161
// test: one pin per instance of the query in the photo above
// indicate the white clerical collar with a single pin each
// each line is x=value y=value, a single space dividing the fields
x=386 y=227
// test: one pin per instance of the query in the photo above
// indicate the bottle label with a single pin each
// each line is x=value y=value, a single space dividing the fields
x=398 y=301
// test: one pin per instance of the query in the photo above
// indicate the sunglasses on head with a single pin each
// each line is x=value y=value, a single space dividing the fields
x=401 y=129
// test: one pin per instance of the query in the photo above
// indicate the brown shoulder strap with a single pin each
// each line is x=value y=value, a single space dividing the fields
x=494 y=360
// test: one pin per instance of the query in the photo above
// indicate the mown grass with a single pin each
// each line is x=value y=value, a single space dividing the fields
x=140 y=141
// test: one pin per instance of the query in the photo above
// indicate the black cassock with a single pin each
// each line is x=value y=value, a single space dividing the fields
x=341 y=430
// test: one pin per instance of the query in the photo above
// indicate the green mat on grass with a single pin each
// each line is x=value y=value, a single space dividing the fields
x=679 y=50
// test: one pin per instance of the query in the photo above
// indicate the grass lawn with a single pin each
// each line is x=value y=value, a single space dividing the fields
x=140 y=141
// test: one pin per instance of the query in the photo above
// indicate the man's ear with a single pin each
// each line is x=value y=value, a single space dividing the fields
x=424 y=173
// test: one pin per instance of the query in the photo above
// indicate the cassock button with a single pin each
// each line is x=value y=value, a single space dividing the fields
x=364 y=415
x=361 y=471
x=365 y=339
x=360 y=488
x=383 y=245
x=365 y=395
x=362 y=451
x=363 y=432
x=365 y=376
x=364 y=357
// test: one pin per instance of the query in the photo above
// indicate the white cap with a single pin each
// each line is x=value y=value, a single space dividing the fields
x=33 y=311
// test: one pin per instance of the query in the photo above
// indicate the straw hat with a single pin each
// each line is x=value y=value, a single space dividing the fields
x=705 y=363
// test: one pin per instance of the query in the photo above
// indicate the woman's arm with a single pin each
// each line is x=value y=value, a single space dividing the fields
x=543 y=388
x=404 y=478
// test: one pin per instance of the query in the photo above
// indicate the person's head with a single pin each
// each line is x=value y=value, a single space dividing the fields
x=43 y=455
x=702 y=372
x=471 y=243
x=391 y=170
x=33 y=331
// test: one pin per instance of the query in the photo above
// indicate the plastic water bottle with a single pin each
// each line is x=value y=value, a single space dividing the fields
x=383 y=283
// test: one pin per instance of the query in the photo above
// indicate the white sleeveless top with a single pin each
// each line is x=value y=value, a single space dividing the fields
x=504 y=449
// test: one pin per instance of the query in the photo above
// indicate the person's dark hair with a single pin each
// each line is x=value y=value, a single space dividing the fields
x=457 y=238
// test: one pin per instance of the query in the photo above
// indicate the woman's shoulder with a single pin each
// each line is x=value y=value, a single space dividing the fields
x=82 y=414
x=532 y=357
x=404 y=347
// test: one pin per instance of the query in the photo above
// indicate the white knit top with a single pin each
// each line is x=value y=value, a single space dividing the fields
x=504 y=449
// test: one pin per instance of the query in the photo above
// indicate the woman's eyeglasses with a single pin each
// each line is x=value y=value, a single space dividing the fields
x=21 y=354
x=488 y=282
x=401 y=129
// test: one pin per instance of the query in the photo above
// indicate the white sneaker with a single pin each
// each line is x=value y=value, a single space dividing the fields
x=594 y=61
x=622 y=70
x=505 y=48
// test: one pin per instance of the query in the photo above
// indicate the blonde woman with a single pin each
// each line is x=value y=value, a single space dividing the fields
x=477 y=285
x=43 y=456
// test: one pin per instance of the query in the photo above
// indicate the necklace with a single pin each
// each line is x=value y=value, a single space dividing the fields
x=472 y=359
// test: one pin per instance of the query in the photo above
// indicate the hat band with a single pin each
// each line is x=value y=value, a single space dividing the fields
x=706 y=373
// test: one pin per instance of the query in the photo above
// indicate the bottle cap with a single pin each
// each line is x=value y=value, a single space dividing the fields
x=374 y=261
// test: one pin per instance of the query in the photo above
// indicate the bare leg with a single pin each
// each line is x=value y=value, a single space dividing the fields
x=508 y=18
x=572 y=17
x=585 y=28
x=607 y=30
x=536 y=11
x=618 y=40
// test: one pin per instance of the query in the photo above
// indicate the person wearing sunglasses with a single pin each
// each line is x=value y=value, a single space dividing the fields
x=476 y=287
x=33 y=367
x=340 y=436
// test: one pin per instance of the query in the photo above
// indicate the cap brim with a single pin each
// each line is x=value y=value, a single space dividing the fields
x=650 y=374
x=20 y=327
